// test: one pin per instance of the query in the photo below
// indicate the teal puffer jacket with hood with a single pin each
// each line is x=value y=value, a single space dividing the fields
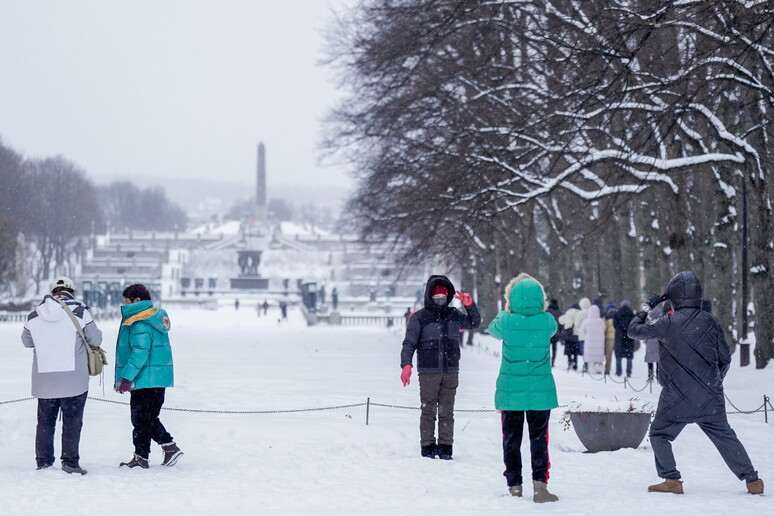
x=525 y=381
x=143 y=352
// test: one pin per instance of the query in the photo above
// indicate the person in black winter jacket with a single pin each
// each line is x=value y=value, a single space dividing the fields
x=553 y=309
x=693 y=360
x=624 y=345
x=434 y=333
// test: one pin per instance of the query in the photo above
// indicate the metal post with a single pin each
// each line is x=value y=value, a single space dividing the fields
x=368 y=409
x=765 y=409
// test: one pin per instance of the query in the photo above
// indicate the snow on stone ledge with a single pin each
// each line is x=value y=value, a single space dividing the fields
x=594 y=405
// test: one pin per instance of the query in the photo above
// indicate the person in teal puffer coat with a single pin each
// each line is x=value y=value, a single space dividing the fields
x=525 y=385
x=144 y=368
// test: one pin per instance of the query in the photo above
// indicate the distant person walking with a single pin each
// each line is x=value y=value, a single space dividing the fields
x=144 y=368
x=236 y=304
x=525 y=385
x=584 y=304
x=624 y=344
x=283 y=309
x=594 y=347
x=335 y=298
x=570 y=338
x=434 y=333
x=553 y=309
x=651 y=345
x=60 y=375
x=609 y=317
x=694 y=359
x=265 y=307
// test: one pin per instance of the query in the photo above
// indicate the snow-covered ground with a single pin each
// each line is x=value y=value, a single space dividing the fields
x=330 y=462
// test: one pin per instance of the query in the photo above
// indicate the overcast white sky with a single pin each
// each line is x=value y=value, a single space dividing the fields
x=172 y=89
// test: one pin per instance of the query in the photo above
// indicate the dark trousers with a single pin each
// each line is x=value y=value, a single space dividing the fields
x=72 y=422
x=436 y=394
x=663 y=432
x=619 y=368
x=145 y=407
x=513 y=429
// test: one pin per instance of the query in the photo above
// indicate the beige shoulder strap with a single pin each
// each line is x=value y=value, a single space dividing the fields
x=73 y=319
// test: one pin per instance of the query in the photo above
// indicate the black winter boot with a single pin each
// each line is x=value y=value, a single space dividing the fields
x=171 y=454
x=137 y=461
x=445 y=451
x=429 y=451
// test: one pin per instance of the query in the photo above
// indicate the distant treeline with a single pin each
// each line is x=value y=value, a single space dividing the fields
x=48 y=206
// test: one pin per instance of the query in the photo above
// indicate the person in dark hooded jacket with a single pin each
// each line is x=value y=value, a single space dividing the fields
x=624 y=345
x=434 y=333
x=693 y=360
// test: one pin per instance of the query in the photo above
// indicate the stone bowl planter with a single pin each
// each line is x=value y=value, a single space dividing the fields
x=609 y=431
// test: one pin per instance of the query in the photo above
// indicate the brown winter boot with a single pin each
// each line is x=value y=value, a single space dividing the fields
x=541 y=493
x=515 y=490
x=755 y=487
x=669 y=485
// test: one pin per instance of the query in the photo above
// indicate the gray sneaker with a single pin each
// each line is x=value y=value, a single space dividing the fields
x=171 y=454
x=73 y=469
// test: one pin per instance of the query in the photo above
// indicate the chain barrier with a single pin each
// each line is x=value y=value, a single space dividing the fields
x=15 y=401
x=203 y=411
x=740 y=411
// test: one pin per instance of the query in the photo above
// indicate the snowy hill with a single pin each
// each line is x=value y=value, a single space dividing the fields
x=329 y=462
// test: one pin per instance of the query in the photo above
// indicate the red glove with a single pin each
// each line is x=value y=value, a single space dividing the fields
x=125 y=386
x=405 y=375
x=465 y=298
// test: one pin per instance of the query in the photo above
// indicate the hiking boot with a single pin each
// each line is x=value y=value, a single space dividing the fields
x=43 y=466
x=515 y=490
x=171 y=454
x=137 y=461
x=429 y=451
x=755 y=487
x=445 y=451
x=73 y=469
x=541 y=493
x=669 y=485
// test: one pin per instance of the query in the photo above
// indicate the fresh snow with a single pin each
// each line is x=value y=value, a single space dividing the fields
x=329 y=462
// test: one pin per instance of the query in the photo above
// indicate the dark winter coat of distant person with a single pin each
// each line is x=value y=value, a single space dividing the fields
x=624 y=344
x=694 y=359
x=553 y=309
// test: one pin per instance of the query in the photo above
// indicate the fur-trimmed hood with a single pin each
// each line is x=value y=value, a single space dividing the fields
x=524 y=295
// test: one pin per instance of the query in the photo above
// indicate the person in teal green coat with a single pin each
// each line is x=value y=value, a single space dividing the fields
x=144 y=368
x=525 y=385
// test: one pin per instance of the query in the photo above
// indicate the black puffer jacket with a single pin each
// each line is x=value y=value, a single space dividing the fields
x=434 y=332
x=694 y=356
x=624 y=344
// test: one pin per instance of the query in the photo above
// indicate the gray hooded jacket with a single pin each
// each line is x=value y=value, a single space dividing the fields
x=51 y=334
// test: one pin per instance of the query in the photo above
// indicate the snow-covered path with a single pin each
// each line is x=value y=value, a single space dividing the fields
x=330 y=462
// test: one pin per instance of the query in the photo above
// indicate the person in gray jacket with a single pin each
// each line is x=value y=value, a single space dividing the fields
x=60 y=375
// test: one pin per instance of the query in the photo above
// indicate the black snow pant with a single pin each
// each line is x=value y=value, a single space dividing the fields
x=145 y=405
x=72 y=422
x=663 y=432
x=436 y=395
x=513 y=429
